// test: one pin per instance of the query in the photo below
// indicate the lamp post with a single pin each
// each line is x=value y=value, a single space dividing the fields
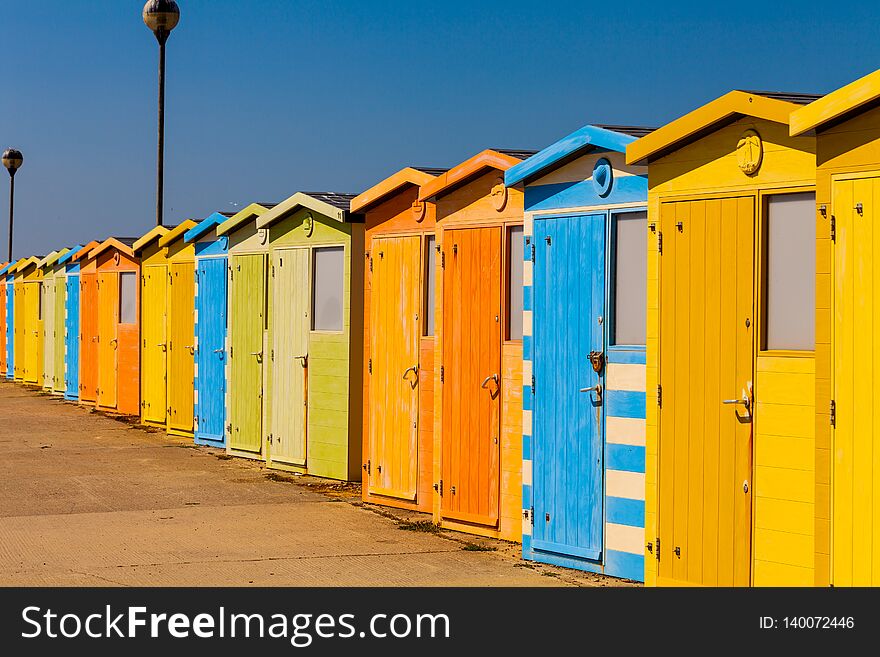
x=12 y=160
x=161 y=16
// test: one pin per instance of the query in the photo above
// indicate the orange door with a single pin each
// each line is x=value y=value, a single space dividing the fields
x=88 y=337
x=108 y=340
x=471 y=375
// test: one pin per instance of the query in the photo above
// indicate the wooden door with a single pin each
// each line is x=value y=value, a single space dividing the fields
x=181 y=345
x=855 y=515
x=88 y=366
x=706 y=357
x=154 y=343
x=19 y=341
x=211 y=349
x=10 y=330
x=60 y=334
x=291 y=285
x=71 y=347
x=48 y=312
x=108 y=340
x=569 y=293
x=247 y=303
x=395 y=329
x=472 y=374
x=4 y=318
x=34 y=322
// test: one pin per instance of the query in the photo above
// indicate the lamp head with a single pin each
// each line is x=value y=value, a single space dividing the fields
x=161 y=16
x=12 y=160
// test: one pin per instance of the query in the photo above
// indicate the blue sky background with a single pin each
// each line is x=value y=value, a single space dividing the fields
x=267 y=97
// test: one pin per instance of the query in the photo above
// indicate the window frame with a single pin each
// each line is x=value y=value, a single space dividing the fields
x=506 y=263
x=135 y=288
x=611 y=279
x=762 y=260
x=428 y=274
x=313 y=248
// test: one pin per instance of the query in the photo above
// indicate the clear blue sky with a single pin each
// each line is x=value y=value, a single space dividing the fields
x=267 y=97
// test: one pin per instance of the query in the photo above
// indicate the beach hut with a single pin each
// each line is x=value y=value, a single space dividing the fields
x=478 y=346
x=7 y=281
x=30 y=280
x=315 y=328
x=584 y=249
x=4 y=321
x=71 y=319
x=88 y=324
x=15 y=292
x=167 y=347
x=730 y=345
x=248 y=283
x=51 y=327
x=117 y=271
x=400 y=256
x=210 y=330
x=846 y=123
x=59 y=274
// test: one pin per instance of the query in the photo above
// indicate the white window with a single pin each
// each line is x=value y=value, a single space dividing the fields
x=127 y=297
x=328 y=269
x=630 y=278
x=790 y=283
x=515 y=283
x=429 y=273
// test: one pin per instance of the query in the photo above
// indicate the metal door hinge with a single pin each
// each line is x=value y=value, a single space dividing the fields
x=197 y=276
x=439 y=487
x=269 y=439
x=657 y=543
x=371 y=264
x=443 y=260
x=660 y=396
x=533 y=252
x=442 y=373
x=660 y=242
x=532 y=516
x=833 y=228
x=272 y=355
x=370 y=365
x=533 y=384
x=833 y=411
x=368 y=467
x=273 y=271
x=229 y=427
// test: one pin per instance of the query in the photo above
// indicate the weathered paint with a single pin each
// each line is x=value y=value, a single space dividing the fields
x=473 y=212
x=847 y=461
x=326 y=440
x=167 y=323
x=581 y=452
x=726 y=500
x=398 y=410
x=247 y=287
x=210 y=328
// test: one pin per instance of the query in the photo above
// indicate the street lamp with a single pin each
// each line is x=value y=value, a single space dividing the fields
x=161 y=16
x=12 y=160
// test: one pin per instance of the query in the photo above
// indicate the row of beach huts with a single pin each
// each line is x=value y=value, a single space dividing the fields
x=649 y=353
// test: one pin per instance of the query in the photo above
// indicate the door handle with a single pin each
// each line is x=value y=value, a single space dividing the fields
x=493 y=377
x=415 y=370
x=744 y=401
x=114 y=342
x=163 y=345
x=191 y=348
x=219 y=351
x=596 y=388
x=304 y=359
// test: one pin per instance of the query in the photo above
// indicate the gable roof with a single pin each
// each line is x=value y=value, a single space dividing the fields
x=123 y=244
x=768 y=105
x=243 y=216
x=334 y=205
x=45 y=259
x=590 y=137
x=149 y=237
x=25 y=263
x=491 y=158
x=13 y=267
x=72 y=251
x=84 y=251
x=53 y=257
x=406 y=177
x=838 y=106
x=205 y=225
x=4 y=268
x=176 y=233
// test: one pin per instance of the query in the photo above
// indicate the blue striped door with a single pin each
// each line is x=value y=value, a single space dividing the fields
x=10 y=330
x=569 y=311
x=211 y=354
x=71 y=338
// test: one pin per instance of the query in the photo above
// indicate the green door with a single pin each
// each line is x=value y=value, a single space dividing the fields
x=290 y=346
x=247 y=321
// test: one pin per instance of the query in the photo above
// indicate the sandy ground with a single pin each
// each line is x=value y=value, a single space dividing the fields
x=91 y=500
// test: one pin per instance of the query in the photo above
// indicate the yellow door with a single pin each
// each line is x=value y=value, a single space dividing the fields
x=394 y=352
x=34 y=323
x=181 y=346
x=289 y=356
x=154 y=345
x=855 y=515
x=706 y=364
x=108 y=341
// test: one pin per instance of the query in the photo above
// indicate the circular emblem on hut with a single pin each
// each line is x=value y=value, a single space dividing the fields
x=749 y=152
x=418 y=211
x=499 y=195
x=263 y=235
x=309 y=224
x=603 y=177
